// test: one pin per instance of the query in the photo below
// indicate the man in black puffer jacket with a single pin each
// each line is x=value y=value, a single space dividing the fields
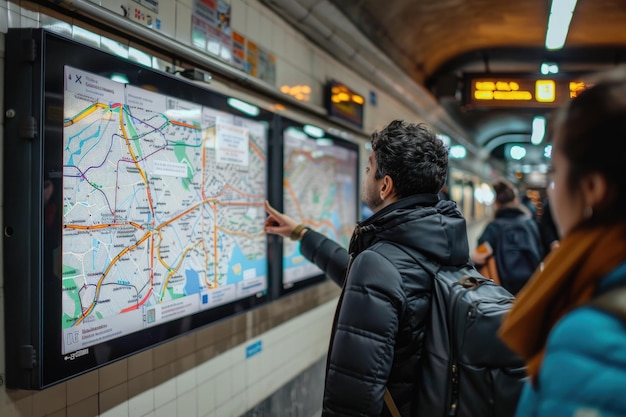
x=378 y=330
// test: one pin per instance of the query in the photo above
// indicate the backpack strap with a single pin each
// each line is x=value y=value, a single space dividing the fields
x=612 y=301
x=391 y=405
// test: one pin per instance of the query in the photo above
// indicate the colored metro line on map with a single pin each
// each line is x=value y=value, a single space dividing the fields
x=320 y=190
x=162 y=209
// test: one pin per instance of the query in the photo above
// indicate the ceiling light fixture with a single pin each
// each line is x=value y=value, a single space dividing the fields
x=314 y=131
x=119 y=77
x=547 y=151
x=324 y=142
x=517 y=152
x=458 y=152
x=242 y=106
x=539 y=130
x=561 y=13
x=549 y=68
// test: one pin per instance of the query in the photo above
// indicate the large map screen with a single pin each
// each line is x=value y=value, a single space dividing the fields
x=320 y=189
x=162 y=209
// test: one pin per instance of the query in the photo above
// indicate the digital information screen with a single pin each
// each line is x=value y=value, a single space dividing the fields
x=320 y=190
x=162 y=209
x=520 y=92
x=343 y=103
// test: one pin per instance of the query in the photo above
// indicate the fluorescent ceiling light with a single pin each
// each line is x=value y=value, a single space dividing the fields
x=243 y=107
x=549 y=68
x=458 y=152
x=119 y=77
x=296 y=133
x=547 y=151
x=539 y=130
x=314 y=131
x=324 y=142
x=558 y=23
x=517 y=152
x=484 y=194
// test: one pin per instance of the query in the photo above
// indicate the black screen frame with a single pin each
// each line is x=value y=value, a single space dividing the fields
x=286 y=123
x=33 y=133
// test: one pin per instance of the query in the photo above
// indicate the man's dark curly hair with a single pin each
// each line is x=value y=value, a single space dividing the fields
x=414 y=158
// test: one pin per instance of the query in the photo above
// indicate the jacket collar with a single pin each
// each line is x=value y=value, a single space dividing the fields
x=365 y=232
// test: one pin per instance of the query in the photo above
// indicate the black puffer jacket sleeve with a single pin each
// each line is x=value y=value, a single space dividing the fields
x=362 y=351
x=327 y=254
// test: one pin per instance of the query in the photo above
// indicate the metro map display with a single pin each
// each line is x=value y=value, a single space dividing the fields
x=137 y=215
x=320 y=189
x=162 y=209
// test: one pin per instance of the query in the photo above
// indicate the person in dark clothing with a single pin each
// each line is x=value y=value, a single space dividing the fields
x=547 y=227
x=517 y=265
x=526 y=201
x=379 y=326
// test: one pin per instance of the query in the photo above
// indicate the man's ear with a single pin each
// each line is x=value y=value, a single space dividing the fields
x=595 y=190
x=387 y=189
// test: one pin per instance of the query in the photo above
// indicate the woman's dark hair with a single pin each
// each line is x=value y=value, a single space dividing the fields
x=592 y=137
x=505 y=192
x=414 y=158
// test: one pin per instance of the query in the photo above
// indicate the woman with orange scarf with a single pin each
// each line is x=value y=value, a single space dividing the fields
x=576 y=352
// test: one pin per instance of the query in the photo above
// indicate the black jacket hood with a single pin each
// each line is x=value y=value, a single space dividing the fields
x=424 y=223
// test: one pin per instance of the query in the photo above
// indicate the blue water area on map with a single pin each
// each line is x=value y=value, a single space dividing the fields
x=289 y=257
x=192 y=286
x=90 y=137
x=239 y=258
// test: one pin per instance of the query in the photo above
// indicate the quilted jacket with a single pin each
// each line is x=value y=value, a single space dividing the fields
x=378 y=329
x=583 y=373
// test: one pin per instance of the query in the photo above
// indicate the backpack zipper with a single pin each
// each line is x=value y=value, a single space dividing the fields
x=454 y=368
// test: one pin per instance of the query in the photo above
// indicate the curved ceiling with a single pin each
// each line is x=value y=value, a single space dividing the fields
x=422 y=36
x=438 y=42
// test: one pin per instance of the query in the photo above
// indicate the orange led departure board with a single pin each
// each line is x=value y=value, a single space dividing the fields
x=520 y=92
x=343 y=103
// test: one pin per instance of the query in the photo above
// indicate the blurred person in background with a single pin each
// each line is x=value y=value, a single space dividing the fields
x=526 y=201
x=547 y=227
x=512 y=238
x=575 y=349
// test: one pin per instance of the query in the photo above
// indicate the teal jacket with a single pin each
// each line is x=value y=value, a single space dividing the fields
x=584 y=371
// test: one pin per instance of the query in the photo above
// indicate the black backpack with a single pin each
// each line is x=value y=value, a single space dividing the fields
x=518 y=251
x=466 y=370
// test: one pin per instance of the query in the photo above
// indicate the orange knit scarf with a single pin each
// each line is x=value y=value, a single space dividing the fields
x=568 y=280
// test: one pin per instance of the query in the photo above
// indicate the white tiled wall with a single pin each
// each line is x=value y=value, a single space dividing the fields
x=229 y=384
